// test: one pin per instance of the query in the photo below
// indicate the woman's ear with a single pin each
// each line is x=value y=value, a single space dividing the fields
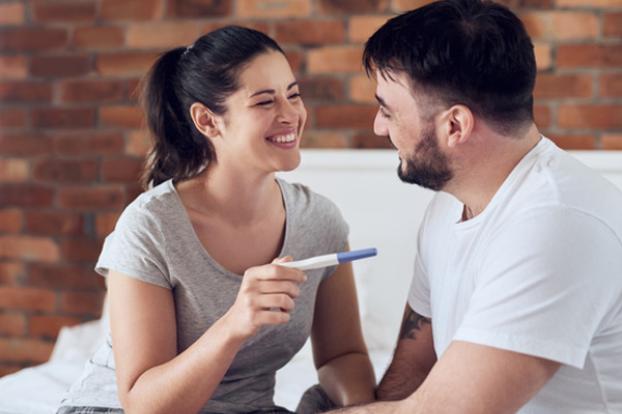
x=205 y=120
x=458 y=123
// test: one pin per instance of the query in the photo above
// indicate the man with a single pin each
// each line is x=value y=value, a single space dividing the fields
x=516 y=299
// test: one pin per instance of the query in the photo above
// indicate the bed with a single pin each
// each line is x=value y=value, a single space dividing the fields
x=382 y=212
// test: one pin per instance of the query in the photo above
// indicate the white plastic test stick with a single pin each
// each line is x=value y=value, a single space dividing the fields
x=330 y=259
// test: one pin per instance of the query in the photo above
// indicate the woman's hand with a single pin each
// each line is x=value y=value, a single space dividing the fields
x=266 y=297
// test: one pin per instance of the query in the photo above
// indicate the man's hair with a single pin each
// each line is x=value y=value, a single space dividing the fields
x=471 y=52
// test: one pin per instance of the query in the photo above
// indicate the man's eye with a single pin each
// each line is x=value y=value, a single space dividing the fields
x=384 y=114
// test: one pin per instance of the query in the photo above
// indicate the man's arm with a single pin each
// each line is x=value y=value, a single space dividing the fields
x=471 y=378
x=413 y=359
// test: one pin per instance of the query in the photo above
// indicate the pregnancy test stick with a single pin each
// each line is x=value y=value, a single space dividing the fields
x=330 y=259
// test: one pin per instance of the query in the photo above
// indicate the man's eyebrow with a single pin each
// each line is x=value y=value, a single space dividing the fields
x=382 y=102
x=272 y=91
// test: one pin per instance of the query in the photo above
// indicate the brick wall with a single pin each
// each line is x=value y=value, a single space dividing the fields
x=71 y=146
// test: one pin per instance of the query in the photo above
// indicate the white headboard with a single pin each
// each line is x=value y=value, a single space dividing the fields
x=385 y=213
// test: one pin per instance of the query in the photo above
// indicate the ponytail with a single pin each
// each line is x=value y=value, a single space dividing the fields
x=179 y=150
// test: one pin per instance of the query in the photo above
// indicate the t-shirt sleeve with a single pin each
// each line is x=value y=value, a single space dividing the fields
x=135 y=248
x=546 y=285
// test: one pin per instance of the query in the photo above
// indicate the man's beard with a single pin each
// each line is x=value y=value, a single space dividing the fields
x=428 y=166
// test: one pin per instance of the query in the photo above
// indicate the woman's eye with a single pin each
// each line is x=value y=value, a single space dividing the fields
x=264 y=103
x=294 y=96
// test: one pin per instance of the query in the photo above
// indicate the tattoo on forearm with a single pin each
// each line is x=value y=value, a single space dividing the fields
x=413 y=322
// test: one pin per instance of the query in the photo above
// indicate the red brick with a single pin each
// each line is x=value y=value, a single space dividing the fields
x=13 y=170
x=11 y=273
x=12 y=13
x=91 y=143
x=25 y=350
x=199 y=8
x=25 y=91
x=53 y=223
x=13 y=67
x=64 y=118
x=543 y=54
x=362 y=27
x=65 y=277
x=611 y=85
x=161 y=34
x=552 y=86
x=30 y=299
x=91 y=197
x=125 y=63
x=65 y=171
x=121 y=116
x=12 y=324
x=589 y=55
x=13 y=118
x=29 y=248
x=133 y=190
x=335 y=59
x=26 y=39
x=93 y=90
x=138 y=143
x=296 y=60
x=362 y=89
x=26 y=195
x=105 y=222
x=11 y=220
x=48 y=326
x=542 y=115
x=60 y=66
x=98 y=37
x=574 y=142
x=22 y=144
x=81 y=250
x=345 y=116
x=590 y=116
x=612 y=24
x=321 y=88
x=612 y=142
x=124 y=170
x=332 y=7
x=562 y=25
x=310 y=32
x=406 y=5
x=273 y=8
x=324 y=139
x=370 y=141
x=131 y=9
x=590 y=3
x=54 y=11
x=82 y=303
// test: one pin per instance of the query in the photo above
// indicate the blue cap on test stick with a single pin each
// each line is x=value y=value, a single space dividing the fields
x=356 y=254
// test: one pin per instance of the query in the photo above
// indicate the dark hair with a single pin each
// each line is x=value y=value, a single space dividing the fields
x=205 y=72
x=471 y=52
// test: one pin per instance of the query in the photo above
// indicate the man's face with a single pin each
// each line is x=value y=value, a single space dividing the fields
x=412 y=131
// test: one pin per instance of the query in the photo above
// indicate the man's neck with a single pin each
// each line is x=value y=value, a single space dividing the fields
x=486 y=167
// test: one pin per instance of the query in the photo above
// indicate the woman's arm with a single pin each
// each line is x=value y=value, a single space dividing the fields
x=339 y=351
x=151 y=376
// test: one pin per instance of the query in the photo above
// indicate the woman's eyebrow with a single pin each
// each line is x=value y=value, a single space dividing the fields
x=272 y=91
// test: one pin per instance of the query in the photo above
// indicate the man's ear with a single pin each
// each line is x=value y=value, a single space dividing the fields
x=205 y=120
x=457 y=124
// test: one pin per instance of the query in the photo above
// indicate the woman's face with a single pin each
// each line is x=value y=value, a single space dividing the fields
x=265 y=117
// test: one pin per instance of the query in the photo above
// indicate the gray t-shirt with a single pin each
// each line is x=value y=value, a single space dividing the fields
x=154 y=241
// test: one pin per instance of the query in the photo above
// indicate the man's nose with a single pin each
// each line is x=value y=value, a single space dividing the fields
x=380 y=127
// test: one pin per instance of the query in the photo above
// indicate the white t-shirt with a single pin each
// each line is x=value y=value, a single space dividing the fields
x=539 y=272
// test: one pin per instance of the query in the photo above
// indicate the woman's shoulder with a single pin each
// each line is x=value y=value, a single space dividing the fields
x=151 y=205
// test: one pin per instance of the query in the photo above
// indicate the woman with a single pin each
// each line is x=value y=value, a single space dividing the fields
x=199 y=321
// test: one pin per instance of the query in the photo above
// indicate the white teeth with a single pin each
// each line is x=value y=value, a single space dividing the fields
x=283 y=138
